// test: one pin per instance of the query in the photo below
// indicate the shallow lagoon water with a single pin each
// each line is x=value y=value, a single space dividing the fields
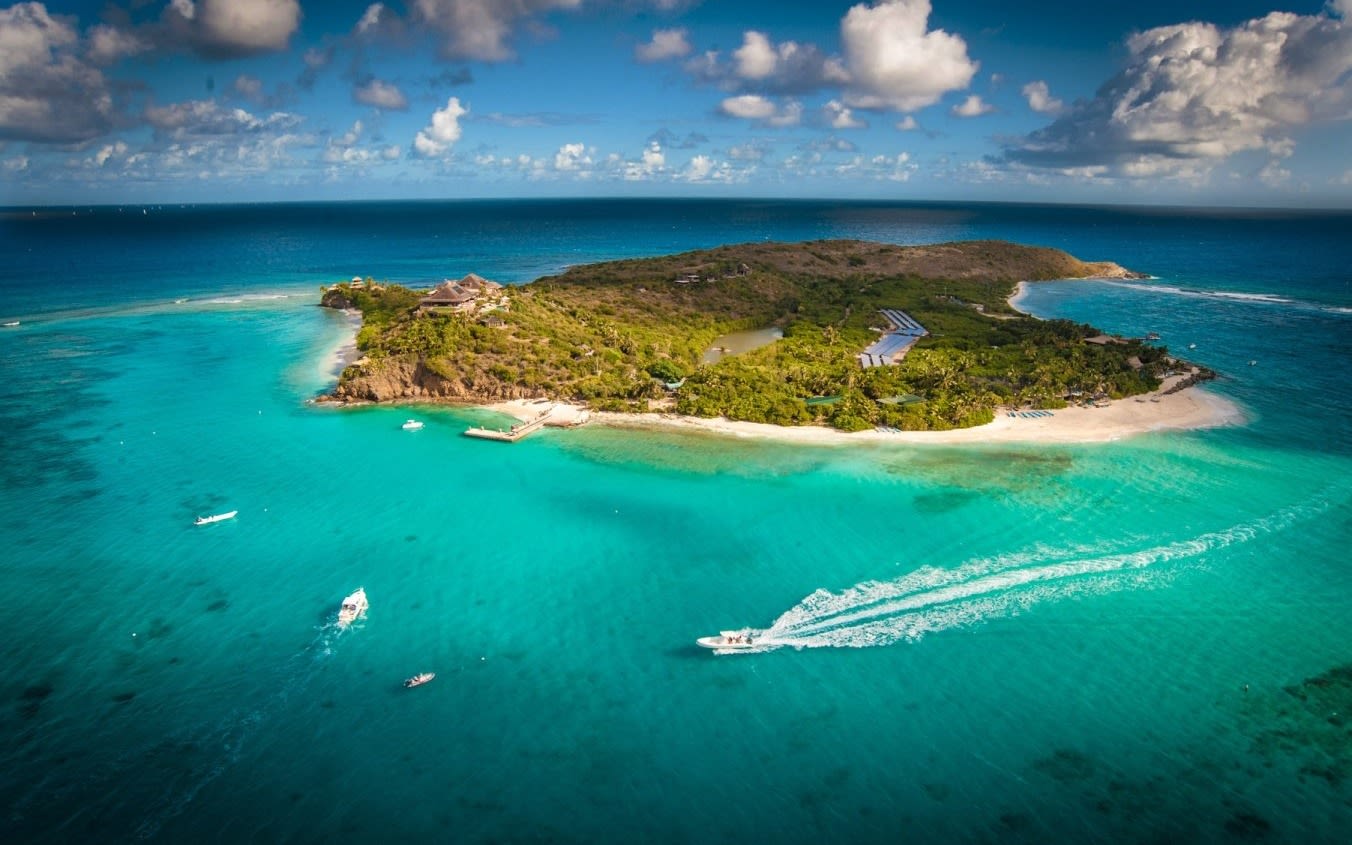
x=1133 y=641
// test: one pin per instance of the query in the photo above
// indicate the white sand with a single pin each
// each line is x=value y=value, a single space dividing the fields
x=1190 y=408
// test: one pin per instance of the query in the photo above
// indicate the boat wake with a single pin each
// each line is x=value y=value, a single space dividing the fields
x=228 y=736
x=930 y=599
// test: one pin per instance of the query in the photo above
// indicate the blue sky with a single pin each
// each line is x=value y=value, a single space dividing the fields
x=1191 y=101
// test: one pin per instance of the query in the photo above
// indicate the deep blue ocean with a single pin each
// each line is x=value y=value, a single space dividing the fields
x=1148 y=640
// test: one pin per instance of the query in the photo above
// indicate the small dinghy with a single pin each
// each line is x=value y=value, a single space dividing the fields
x=412 y=425
x=419 y=679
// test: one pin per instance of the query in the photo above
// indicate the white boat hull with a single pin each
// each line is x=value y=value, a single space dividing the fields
x=727 y=640
x=220 y=517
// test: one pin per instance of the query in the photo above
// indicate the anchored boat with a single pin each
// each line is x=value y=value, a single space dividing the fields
x=419 y=679
x=412 y=425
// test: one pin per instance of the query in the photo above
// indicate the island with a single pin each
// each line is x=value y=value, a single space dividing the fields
x=844 y=334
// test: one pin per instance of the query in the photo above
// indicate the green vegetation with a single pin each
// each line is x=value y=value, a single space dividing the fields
x=615 y=334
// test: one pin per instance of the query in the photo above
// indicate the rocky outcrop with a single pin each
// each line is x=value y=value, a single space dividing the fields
x=337 y=298
x=1110 y=270
x=392 y=379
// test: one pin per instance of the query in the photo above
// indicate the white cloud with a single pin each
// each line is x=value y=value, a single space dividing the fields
x=748 y=106
x=896 y=62
x=47 y=93
x=1193 y=94
x=1341 y=8
x=763 y=67
x=653 y=157
x=666 y=44
x=204 y=118
x=973 y=106
x=229 y=28
x=1040 y=98
x=790 y=115
x=756 y=107
x=698 y=168
x=381 y=95
x=756 y=58
x=572 y=157
x=481 y=29
x=652 y=163
x=437 y=138
x=18 y=164
x=351 y=136
x=108 y=152
x=248 y=86
x=108 y=44
x=908 y=124
x=748 y=152
x=839 y=116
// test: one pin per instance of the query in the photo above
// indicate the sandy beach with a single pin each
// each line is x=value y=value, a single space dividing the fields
x=1186 y=409
x=1191 y=408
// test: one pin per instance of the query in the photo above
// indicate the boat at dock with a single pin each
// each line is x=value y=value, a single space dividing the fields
x=728 y=639
x=419 y=679
x=220 y=517
x=412 y=425
x=353 y=608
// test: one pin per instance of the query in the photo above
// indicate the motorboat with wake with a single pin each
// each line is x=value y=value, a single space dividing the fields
x=220 y=517
x=728 y=639
x=419 y=679
x=353 y=608
x=412 y=425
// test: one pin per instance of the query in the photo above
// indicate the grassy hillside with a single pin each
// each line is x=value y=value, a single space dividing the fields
x=612 y=333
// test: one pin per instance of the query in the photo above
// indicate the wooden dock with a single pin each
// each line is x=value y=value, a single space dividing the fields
x=512 y=435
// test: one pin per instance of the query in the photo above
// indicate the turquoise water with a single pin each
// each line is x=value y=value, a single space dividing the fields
x=1138 y=641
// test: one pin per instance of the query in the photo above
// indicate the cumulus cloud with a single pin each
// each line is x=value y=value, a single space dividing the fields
x=749 y=106
x=47 y=92
x=231 y=28
x=1040 y=98
x=437 y=138
x=652 y=163
x=381 y=95
x=572 y=157
x=839 y=116
x=762 y=66
x=481 y=29
x=896 y=62
x=665 y=44
x=1341 y=8
x=908 y=123
x=1193 y=94
x=108 y=44
x=973 y=106
x=201 y=118
x=763 y=109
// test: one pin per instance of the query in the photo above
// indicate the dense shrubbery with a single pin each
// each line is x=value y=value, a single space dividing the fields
x=614 y=333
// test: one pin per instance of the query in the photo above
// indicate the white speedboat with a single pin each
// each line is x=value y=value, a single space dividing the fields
x=220 y=517
x=419 y=679
x=412 y=425
x=728 y=639
x=354 y=607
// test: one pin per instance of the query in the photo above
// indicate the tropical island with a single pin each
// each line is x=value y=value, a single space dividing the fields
x=848 y=334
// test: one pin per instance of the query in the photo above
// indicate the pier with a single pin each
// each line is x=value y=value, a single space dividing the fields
x=567 y=417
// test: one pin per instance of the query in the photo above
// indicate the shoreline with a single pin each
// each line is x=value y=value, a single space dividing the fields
x=1189 y=409
x=1185 y=410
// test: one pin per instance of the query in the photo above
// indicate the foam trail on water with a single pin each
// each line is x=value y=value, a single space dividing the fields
x=230 y=733
x=931 y=599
